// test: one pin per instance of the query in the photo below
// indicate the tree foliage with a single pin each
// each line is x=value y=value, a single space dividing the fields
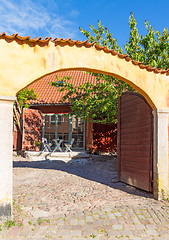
x=99 y=102
x=24 y=96
x=91 y=101
x=151 y=49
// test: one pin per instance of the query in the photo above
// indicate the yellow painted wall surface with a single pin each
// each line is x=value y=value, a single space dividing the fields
x=20 y=64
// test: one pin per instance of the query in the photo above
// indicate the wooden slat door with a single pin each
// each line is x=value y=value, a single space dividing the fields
x=32 y=128
x=135 y=129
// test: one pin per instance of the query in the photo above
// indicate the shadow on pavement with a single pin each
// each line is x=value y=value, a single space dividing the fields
x=101 y=171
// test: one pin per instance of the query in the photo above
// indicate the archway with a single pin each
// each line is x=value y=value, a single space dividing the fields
x=23 y=60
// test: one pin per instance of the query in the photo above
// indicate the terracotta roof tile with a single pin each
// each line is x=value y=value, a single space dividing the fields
x=71 y=42
x=48 y=94
x=127 y=58
x=15 y=36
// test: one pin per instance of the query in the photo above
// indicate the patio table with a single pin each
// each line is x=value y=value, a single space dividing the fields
x=57 y=143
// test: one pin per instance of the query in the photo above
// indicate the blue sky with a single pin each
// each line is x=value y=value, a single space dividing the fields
x=62 y=18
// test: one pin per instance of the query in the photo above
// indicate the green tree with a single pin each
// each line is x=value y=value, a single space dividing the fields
x=24 y=96
x=91 y=101
x=151 y=49
x=99 y=102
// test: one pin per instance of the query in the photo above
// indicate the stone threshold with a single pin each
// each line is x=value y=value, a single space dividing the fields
x=62 y=156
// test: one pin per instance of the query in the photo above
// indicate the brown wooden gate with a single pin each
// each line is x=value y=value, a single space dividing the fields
x=32 y=128
x=135 y=141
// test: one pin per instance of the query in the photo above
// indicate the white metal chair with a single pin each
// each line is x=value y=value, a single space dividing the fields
x=69 y=145
x=46 y=145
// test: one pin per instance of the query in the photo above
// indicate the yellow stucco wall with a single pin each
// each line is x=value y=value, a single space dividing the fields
x=22 y=63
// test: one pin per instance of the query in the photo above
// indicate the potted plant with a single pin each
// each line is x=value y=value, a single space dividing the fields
x=37 y=145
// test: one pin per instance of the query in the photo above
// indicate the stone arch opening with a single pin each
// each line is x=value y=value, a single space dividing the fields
x=23 y=60
x=143 y=141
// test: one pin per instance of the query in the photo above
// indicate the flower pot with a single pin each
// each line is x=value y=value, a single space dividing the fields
x=37 y=148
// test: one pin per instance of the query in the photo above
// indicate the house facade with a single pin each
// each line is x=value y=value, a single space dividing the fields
x=49 y=118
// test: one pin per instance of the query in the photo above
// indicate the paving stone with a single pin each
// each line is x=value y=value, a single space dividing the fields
x=105 y=222
x=114 y=221
x=140 y=216
x=111 y=215
x=61 y=227
x=75 y=233
x=160 y=216
x=151 y=226
x=62 y=233
x=137 y=232
x=136 y=220
x=165 y=213
x=126 y=232
x=82 y=222
x=121 y=220
x=117 y=227
x=60 y=221
x=151 y=232
x=87 y=232
x=79 y=214
x=97 y=221
x=154 y=218
x=96 y=216
x=117 y=214
x=107 y=227
x=148 y=238
x=74 y=221
x=139 y=227
x=89 y=219
x=128 y=221
x=107 y=209
x=76 y=227
x=112 y=232
x=97 y=227
x=103 y=216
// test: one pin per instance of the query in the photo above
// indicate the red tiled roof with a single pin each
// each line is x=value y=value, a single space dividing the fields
x=70 y=42
x=48 y=94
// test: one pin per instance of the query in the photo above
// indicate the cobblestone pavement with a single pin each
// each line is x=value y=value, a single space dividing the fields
x=58 y=200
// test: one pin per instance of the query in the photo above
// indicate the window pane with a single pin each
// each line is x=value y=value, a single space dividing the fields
x=47 y=130
x=66 y=137
x=59 y=128
x=53 y=119
x=52 y=136
x=46 y=118
x=59 y=119
x=78 y=132
x=52 y=129
x=66 y=118
x=46 y=136
x=66 y=127
x=46 y=124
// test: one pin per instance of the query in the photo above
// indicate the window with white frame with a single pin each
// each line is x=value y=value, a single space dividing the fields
x=65 y=127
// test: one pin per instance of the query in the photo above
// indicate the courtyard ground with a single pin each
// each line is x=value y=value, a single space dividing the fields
x=58 y=200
